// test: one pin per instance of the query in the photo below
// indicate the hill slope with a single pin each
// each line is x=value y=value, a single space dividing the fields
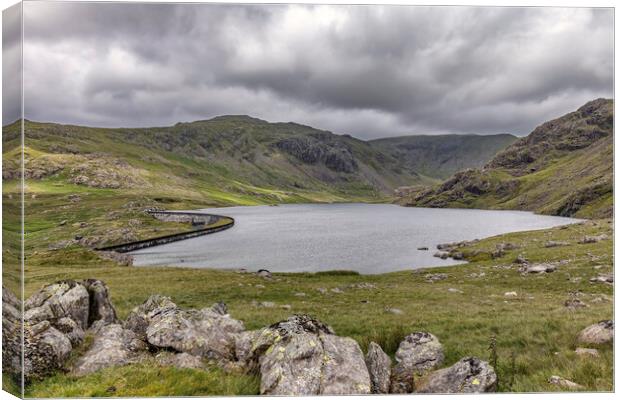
x=442 y=155
x=230 y=160
x=564 y=167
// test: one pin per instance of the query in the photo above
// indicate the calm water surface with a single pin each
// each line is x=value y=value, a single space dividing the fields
x=369 y=238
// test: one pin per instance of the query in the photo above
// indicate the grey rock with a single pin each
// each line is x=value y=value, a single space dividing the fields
x=602 y=332
x=266 y=304
x=263 y=273
x=62 y=299
x=203 y=333
x=179 y=360
x=556 y=243
x=435 y=277
x=11 y=333
x=574 y=303
x=220 y=308
x=581 y=351
x=593 y=239
x=379 y=367
x=112 y=346
x=468 y=375
x=100 y=306
x=416 y=354
x=396 y=311
x=303 y=356
x=45 y=350
x=139 y=318
x=537 y=268
x=564 y=383
x=603 y=278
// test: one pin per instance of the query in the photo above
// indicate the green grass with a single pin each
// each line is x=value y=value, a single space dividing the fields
x=146 y=380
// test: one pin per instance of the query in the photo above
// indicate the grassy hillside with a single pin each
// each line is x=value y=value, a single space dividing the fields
x=564 y=167
x=232 y=159
x=442 y=155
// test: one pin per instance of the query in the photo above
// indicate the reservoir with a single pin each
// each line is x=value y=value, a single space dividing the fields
x=368 y=238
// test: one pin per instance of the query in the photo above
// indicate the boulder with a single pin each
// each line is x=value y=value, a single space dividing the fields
x=11 y=333
x=468 y=375
x=565 y=383
x=206 y=333
x=593 y=239
x=603 y=278
x=581 y=351
x=263 y=273
x=556 y=243
x=55 y=320
x=435 y=277
x=537 y=268
x=62 y=299
x=139 y=318
x=303 y=356
x=574 y=303
x=100 y=306
x=379 y=367
x=45 y=350
x=113 y=345
x=602 y=332
x=179 y=360
x=416 y=354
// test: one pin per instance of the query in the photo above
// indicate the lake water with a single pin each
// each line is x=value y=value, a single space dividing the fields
x=369 y=238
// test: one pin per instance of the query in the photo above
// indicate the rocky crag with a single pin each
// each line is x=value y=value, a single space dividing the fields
x=564 y=167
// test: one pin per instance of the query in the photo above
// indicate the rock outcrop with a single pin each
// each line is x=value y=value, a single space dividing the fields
x=379 y=367
x=416 y=354
x=11 y=333
x=205 y=333
x=112 y=346
x=602 y=332
x=468 y=375
x=303 y=356
x=55 y=320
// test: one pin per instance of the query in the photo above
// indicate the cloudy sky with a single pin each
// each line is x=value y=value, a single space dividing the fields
x=369 y=71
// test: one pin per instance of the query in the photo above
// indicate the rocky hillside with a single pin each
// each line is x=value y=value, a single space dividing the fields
x=234 y=159
x=564 y=167
x=442 y=155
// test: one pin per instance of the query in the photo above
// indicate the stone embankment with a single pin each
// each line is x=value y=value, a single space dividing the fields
x=202 y=224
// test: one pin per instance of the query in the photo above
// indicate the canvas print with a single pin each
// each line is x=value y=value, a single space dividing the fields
x=207 y=199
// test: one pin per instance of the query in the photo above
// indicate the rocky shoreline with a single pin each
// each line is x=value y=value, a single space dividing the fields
x=296 y=356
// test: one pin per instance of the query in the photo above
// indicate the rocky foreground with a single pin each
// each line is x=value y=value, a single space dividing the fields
x=297 y=356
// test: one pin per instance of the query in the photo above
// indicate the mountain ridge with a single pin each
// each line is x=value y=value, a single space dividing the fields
x=564 y=167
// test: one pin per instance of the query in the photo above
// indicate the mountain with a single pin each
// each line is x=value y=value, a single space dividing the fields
x=224 y=160
x=442 y=155
x=564 y=167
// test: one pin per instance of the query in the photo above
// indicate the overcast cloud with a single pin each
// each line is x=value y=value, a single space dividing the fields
x=369 y=71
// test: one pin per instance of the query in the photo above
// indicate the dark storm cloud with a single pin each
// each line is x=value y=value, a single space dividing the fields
x=364 y=70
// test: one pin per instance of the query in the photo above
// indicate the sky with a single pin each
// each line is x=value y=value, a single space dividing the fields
x=367 y=71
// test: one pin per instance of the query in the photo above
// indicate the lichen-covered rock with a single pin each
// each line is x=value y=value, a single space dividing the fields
x=113 y=345
x=602 y=332
x=62 y=299
x=379 y=367
x=416 y=354
x=55 y=320
x=468 y=375
x=45 y=350
x=208 y=333
x=179 y=360
x=139 y=318
x=100 y=306
x=303 y=356
x=11 y=333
